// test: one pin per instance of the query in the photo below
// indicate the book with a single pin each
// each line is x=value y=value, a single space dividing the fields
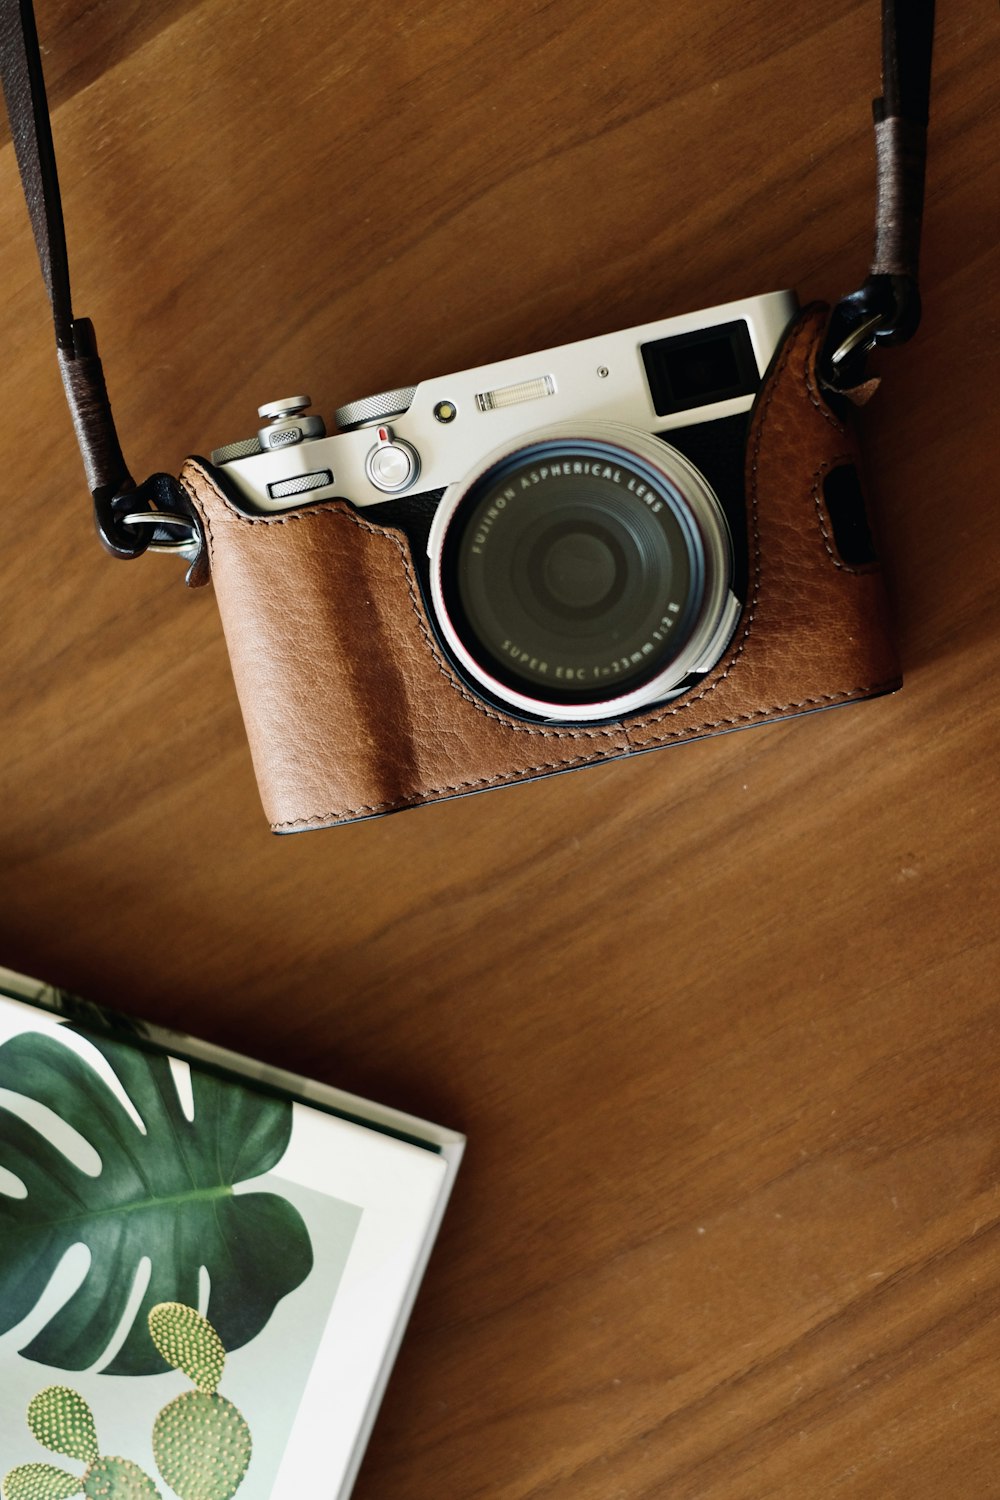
x=206 y=1263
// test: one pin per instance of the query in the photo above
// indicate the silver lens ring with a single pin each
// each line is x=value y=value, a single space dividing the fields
x=704 y=614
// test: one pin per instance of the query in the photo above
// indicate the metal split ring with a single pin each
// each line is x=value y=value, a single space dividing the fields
x=862 y=334
x=186 y=546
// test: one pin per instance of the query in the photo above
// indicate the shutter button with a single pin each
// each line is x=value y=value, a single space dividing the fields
x=392 y=464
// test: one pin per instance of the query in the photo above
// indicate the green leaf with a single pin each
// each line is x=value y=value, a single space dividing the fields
x=40 y=1482
x=63 y=1422
x=188 y=1342
x=166 y=1194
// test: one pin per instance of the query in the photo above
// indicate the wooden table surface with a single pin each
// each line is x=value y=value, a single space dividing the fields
x=721 y=1022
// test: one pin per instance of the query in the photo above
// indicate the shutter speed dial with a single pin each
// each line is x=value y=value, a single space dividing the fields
x=372 y=409
x=393 y=464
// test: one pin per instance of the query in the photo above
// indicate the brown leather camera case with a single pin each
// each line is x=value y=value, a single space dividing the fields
x=352 y=710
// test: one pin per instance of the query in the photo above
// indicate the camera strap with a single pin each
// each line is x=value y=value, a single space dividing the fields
x=155 y=515
x=885 y=310
x=130 y=519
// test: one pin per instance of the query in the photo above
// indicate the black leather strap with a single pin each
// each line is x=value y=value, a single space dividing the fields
x=110 y=482
x=886 y=309
x=24 y=91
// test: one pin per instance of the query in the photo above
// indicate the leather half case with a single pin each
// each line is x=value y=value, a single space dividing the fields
x=352 y=710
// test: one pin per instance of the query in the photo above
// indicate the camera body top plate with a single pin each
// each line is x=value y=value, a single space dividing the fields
x=694 y=362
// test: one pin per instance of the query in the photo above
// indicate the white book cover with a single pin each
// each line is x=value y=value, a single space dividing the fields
x=206 y=1265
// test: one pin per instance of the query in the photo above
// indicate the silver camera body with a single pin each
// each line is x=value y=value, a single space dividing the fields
x=575 y=515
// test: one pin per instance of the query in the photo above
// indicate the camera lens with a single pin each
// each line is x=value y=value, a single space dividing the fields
x=574 y=571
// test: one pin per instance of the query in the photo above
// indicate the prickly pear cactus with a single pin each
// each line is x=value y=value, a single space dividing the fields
x=202 y=1446
x=189 y=1343
x=63 y=1422
x=118 y=1479
x=201 y=1443
x=40 y=1482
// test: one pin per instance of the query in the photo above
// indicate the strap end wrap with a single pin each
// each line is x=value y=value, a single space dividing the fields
x=108 y=477
x=901 y=150
x=87 y=398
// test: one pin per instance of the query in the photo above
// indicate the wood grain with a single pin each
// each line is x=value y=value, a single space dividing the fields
x=721 y=1023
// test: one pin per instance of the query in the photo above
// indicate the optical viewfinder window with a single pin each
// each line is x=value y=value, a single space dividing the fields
x=697 y=369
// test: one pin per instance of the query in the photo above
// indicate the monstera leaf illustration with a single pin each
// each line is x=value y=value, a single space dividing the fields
x=165 y=1192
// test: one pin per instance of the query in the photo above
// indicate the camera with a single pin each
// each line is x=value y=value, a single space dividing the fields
x=575 y=516
x=582 y=554
x=576 y=555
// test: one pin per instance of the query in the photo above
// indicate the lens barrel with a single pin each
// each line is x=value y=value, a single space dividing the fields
x=581 y=573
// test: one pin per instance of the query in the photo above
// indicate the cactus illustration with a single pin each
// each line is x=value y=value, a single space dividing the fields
x=62 y=1422
x=40 y=1482
x=201 y=1442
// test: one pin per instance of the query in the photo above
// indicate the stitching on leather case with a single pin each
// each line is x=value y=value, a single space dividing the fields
x=337 y=509
x=202 y=510
x=710 y=687
x=458 y=786
x=824 y=700
x=835 y=463
x=481 y=708
x=691 y=731
x=816 y=398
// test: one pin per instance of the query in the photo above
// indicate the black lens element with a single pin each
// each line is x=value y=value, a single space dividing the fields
x=572 y=572
x=577 y=568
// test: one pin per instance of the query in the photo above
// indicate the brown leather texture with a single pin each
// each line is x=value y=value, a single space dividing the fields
x=352 y=710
